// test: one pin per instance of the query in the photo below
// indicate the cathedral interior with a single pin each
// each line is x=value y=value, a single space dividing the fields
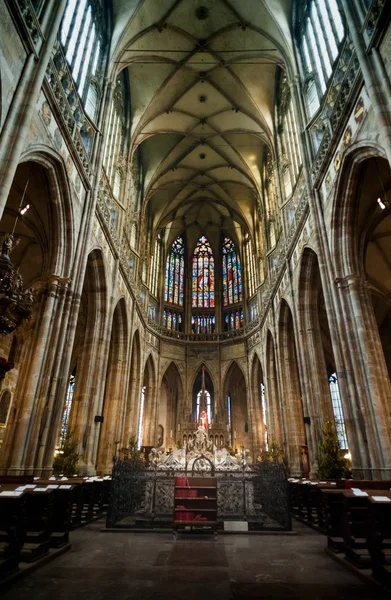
x=195 y=209
x=195 y=261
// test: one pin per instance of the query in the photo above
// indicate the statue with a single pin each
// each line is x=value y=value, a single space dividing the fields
x=7 y=246
x=203 y=419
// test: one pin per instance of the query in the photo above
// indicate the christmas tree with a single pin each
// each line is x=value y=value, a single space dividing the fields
x=331 y=465
x=65 y=461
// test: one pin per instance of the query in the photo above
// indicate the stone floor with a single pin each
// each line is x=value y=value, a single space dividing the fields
x=103 y=566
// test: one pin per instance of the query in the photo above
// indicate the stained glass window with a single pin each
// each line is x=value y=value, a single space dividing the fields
x=172 y=320
x=232 y=274
x=203 y=324
x=233 y=319
x=203 y=276
x=175 y=273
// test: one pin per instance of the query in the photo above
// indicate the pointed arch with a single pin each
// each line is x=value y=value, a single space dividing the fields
x=272 y=391
x=131 y=408
x=147 y=426
x=259 y=412
x=171 y=396
x=61 y=228
x=235 y=395
x=291 y=390
x=209 y=386
x=115 y=388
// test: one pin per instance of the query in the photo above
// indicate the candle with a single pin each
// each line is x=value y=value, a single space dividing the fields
x=170 y=433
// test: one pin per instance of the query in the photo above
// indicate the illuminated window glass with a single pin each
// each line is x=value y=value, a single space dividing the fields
x=141 y=419
x=208 y=405
x=172 y=320
x=81 y=35
x=175 y=273
x=321 y=37
x=233 y=319
x=203 y=324
x=203 y=276
x=155 y=269
x=232 y=274
x=264 y=415
x=67 y=410
x=338 y=414
x=250 y=269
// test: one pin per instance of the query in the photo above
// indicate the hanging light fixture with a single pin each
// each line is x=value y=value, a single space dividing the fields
x=15 y=303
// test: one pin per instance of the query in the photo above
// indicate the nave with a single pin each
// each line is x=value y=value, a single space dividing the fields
x=109 y=566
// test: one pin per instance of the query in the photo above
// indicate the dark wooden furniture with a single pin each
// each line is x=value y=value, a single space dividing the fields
x=195 y=504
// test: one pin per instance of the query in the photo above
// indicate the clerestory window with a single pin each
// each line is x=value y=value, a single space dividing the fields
x=320 y=41
x=82 y=37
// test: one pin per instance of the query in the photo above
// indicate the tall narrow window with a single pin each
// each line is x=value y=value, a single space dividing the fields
x=208 y=405
x=264 y=416
x=321 y=36
x=115 y=138
x=232 y=274
x=175 y=273
x=155 y=268
x=250 y=269
x=338 y=414
x=141 y=419
x=203 y=277
x=67 y=410
x=81 y=36
x=229 y=412
x=203 y=324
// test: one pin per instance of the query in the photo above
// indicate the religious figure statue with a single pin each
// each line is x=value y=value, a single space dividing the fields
x=203 y=419
x=7 y=246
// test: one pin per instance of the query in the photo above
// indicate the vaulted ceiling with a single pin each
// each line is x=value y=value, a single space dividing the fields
x=202 y=81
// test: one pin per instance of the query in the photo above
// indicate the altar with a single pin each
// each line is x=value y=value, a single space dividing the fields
x=252 y=494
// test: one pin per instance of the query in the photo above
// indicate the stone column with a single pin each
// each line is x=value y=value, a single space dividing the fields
x=20 y=445
x=368 y=381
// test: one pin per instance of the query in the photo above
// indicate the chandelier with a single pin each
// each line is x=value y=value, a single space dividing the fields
x=15 y=303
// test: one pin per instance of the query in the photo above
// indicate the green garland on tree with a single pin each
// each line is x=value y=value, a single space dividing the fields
x=65 y=462
x=331 y=465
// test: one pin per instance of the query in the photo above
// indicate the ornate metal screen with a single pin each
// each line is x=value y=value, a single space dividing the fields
x=145 y=499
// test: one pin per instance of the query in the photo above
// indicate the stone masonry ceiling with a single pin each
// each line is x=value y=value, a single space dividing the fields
x=202 y=79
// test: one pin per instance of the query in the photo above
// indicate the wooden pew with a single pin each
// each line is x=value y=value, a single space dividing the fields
x=379 y=538
x=12 y=517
